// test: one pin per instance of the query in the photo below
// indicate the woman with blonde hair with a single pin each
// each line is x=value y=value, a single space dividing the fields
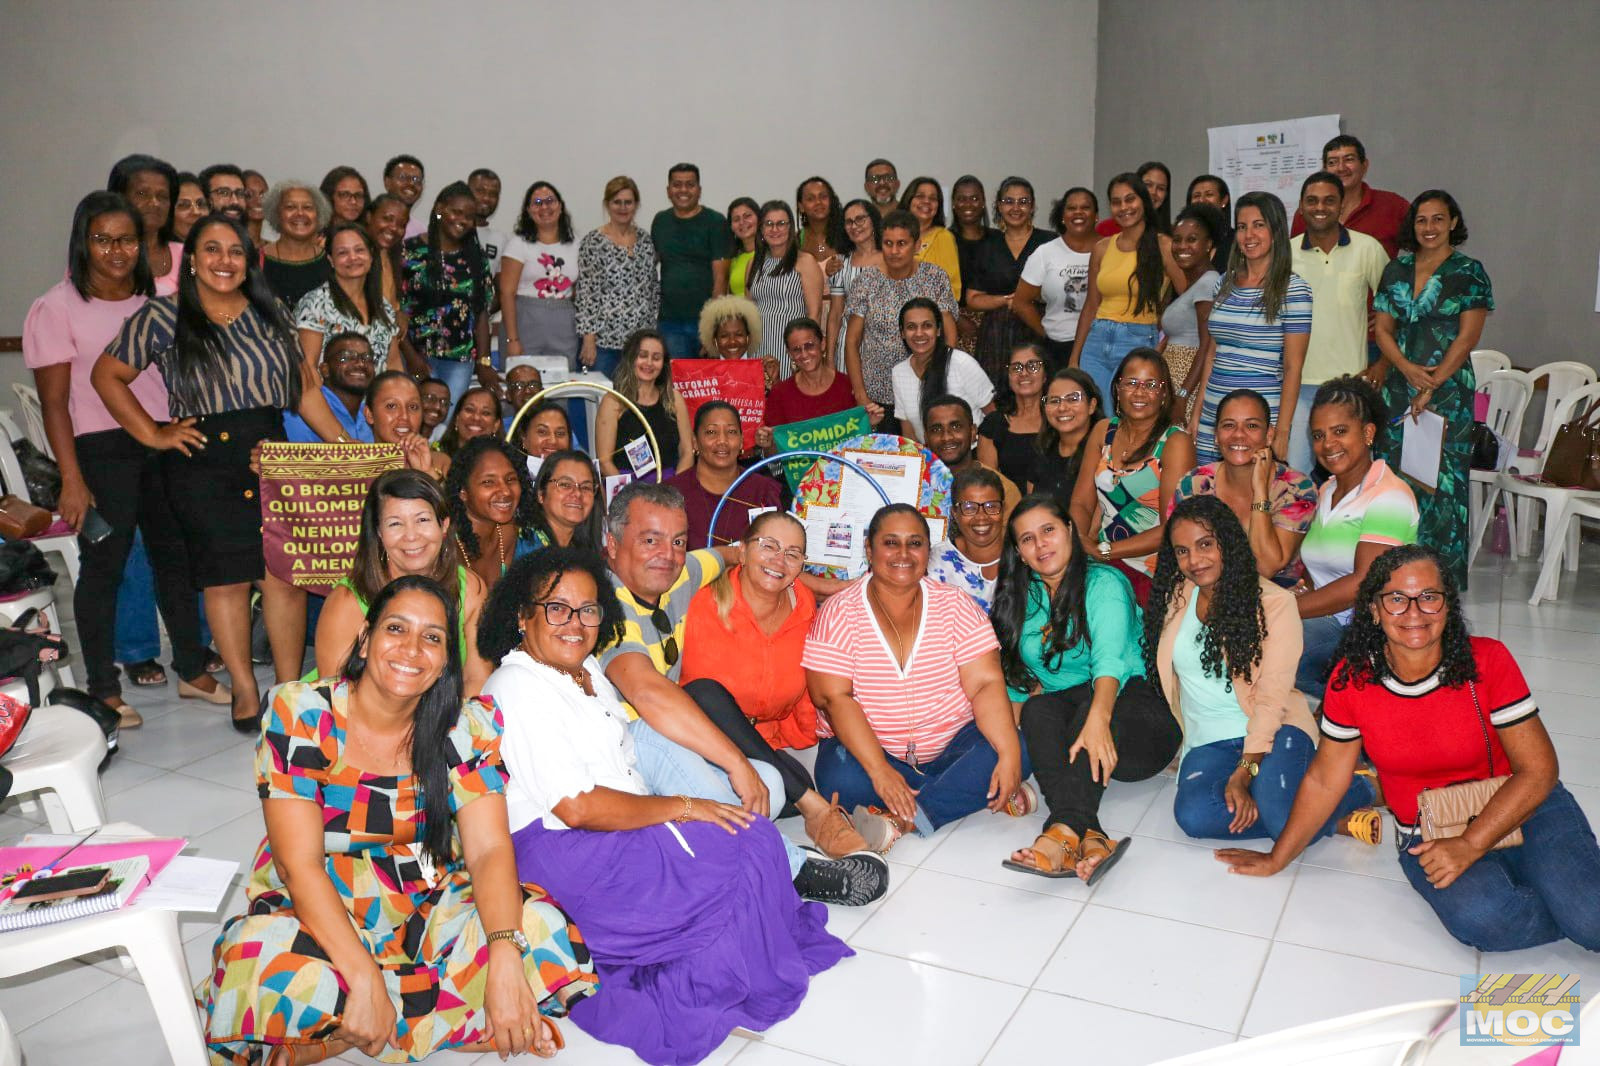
x=620 y=292
x=731 y=328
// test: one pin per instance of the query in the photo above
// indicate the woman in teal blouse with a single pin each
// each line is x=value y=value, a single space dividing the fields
x=1069 y=643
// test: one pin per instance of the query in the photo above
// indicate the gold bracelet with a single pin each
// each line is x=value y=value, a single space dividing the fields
x=688 y=809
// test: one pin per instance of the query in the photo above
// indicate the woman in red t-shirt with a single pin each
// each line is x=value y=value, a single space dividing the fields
x=1420 y=696
x=814 y=390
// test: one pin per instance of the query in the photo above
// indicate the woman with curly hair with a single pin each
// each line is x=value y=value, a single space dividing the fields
x=694 y=931
x=731 y=328
x=1431 y=706
x=1224 y=642
x=492 y=507
x=478 y=413
x=1069 y=647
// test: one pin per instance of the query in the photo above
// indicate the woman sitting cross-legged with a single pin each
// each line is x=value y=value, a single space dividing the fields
x=405 y=530
x=1433 y=707
x=916 y=729
x=1069 y=643
x=687 y=904
x=1225 y=642
x=385 y=914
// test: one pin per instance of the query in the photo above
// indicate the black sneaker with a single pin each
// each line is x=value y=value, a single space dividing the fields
x=857 y=879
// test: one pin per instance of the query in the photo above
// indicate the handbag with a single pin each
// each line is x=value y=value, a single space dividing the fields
x=1485 y=448
x=23 y=568
x=39 y=473
x=20 y=519
x=1446 y=812
x=1573 y=460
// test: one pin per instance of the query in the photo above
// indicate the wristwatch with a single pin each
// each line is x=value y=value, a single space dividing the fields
x=513 y=935
x=1250 y=767
x=1105 y=551
x=484 y=360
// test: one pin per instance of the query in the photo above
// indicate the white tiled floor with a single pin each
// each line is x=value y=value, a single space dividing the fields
x=964 y=962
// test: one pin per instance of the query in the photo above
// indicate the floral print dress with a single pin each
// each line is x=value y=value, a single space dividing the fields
x=271 y=983
x=1426 y=324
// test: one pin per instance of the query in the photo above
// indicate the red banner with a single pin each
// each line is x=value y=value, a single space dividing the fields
x=311 y=500
x=741 y=382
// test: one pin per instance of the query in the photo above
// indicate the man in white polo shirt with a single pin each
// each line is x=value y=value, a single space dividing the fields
x=1343 y=268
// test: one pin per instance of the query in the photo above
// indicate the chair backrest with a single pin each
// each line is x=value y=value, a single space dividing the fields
x=1486 y=360
x=1508 y=392
x=11 y=479
x=1579 y=401
x=1564 y=377
x=32 y=416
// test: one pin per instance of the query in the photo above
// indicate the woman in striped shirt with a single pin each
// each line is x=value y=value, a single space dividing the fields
x=915 y=722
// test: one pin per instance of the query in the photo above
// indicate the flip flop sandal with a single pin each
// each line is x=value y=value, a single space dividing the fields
x=1113 y=849
x=146 y=674
x=1061 y=837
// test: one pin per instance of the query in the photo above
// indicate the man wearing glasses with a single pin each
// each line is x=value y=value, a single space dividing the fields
x=882 y=184
x=348 y=366
x=403 y=177
x=680 y=750
x=225 y=191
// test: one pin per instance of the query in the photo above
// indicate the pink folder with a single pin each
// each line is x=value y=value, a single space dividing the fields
x=159 y=850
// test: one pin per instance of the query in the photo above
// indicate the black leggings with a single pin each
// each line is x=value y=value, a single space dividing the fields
x=723 y=710
x=1143 y=730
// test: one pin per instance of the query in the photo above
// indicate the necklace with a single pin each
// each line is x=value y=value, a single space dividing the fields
x=577 y=677
x=499 y=547
x=905 y=696
x=900 y=649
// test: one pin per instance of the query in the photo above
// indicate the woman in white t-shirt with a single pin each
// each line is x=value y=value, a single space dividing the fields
x=538 y=277
x=933 y=369
x=1058 y=274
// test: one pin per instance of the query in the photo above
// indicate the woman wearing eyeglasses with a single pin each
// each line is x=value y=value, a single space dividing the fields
x=863 y=227
x=567 y=511
x=784 y=282
x=1069 y=408
x=997 y=268
x=970 y=559
x=1431 y=707
x=1120 y=502
x=718 y=439
x=1007 y=435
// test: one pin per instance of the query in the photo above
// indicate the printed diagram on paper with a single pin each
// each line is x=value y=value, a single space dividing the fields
x=1270 y=157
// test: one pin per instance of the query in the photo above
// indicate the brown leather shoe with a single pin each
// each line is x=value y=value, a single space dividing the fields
x=833 y=832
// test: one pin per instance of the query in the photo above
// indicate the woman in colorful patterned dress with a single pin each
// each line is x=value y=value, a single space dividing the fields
x=384 y=910
x=445 y=293
x=1431 y=306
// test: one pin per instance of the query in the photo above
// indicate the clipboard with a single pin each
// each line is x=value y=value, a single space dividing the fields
x=1422 y=449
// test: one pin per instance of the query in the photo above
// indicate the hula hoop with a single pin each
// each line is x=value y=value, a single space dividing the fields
x=716 y=512
x=569 y=386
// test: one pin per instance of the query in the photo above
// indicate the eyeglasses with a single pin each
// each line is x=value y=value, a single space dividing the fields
x=1032 y=366
x=566 y=484
x=406 y=179
x=775 y=223
x=125 y=243
x=1398 y=603
x=972 y=507
x=559 y=614
x=543 y=201
x=882 y=179
x=773 y=546
x=1135 y=385
x=191 y=205
x=350 y=195
x=669 y=646
x=1066 y=397
x=858 y=220
x=344 y=358
x=1015 y=201
x=226 y=193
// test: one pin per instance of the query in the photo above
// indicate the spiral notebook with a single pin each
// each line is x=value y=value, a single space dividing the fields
x=126 y=877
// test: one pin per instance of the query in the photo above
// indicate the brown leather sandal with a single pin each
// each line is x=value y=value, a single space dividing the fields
x=1061 y=839
x=482 y=1046
x=1104 y=851
x=833 y=833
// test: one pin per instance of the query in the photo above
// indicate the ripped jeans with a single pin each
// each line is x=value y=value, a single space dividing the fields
x=1201 y=809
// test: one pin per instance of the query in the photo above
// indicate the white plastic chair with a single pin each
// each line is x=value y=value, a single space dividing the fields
x=1561 y=378
x=1486 y=361
x=10 y=1052
x=1564 y=546
x=60 y=539
x=150 y=938
x=1509 y=392
x=32 y=416
x=1516 y=488
x=58 y=755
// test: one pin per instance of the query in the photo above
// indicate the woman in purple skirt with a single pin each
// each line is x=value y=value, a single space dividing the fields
x=686 y=904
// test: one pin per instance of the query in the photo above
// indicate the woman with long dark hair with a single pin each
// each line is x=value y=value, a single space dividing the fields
x=445 y=292
x=924 y=198
x=822 y=233
x=385 y=221
x=1157 y=181
x=351 y=300
x=969 y=224
x=539 y=278
x=996 y=271
x=863 y=228
x=190 y=207
x=1068 y=409
x=226 y=348
x=932 y=369
x=1431 y=706
x=644 y=376
x=1130 y=274
x=405 y=530
x=346 y=192
x=1225 y=642
x=1008 y=434
x=1069 y=646
x=151 y=186
x=784 y=282
x=491 y=507
x=1183 y=320
x=478 y=413
x=387 y=887
x=102 y=466
x=744 y=228
x=567 y=511
x=1259 y=326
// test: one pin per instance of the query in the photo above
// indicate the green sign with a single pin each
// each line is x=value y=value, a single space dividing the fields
x=817 y=434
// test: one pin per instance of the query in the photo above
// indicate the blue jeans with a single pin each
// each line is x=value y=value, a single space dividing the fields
x=138 y=637
x=950 y=787
x=1300 y=457
x=1322 y=637
x=1103 y=350
x=1201 y=809
x=1539 y=892
x=456 y=374
x=683 y=337
x=670 y=769
x=605 y=361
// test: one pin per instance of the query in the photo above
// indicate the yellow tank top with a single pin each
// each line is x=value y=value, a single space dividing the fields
x=1119 y=290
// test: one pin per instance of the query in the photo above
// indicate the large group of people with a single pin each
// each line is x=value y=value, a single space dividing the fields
x=1178 y=535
